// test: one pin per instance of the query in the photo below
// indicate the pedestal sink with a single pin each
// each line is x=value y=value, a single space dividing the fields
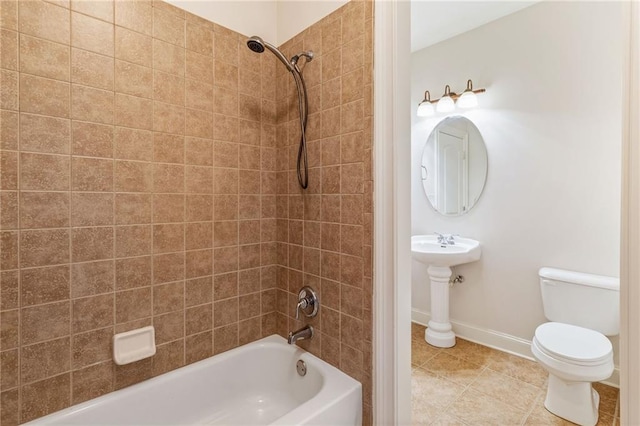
x=440 y=257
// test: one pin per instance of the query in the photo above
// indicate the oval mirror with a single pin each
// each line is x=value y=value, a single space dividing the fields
x=454 y=166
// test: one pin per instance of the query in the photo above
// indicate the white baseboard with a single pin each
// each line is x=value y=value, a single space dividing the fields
x=496 y=340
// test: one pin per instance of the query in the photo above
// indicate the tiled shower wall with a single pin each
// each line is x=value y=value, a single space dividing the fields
x=325 y=232
x=138 y=187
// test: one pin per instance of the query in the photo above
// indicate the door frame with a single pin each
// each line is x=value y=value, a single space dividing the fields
x=392 y=254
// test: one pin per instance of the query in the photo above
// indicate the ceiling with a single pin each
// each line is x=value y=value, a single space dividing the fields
x=435 y=21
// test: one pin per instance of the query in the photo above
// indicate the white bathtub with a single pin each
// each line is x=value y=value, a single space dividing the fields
x=255 y=384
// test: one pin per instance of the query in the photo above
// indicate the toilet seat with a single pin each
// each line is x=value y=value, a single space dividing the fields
x=573 y=344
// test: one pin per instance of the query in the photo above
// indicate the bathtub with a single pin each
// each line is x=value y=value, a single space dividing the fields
x=255 y=384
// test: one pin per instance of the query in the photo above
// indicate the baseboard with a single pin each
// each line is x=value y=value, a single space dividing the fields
x=496 y=340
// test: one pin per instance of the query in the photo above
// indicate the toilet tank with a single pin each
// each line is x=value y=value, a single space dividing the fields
x=585 y=300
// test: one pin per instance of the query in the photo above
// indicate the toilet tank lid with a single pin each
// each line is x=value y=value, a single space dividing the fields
x=601 y=281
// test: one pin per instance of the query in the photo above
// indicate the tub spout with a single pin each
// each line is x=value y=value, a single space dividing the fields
x=305 y=332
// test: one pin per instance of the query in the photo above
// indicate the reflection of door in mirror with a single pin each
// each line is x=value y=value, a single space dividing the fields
x=452 y=170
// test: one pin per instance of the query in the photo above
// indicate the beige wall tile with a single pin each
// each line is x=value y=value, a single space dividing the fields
x=198 y=179
x=168 y=238
x=91 y=174
x=133 y=112
x=135 y=15
x=44 y=210
x=44 y=285
x=44 y=360
x=9 y=90
x=168 y=268
x=91 y=34
x=199 y=38
x=168 y=57
x=92 y=278
x=94 y=105
x=133 y=47
x=168 y=298
x=133 y=272
x=89 y=313
x=45 y=322
x=169 y=327
x=133 y=144
x=168 y=148
x=132 y=176
x=199 y=207
x=133 y=240
x=92 y=243
x=168 y=208
x=45 y=20
x=132 y=209
x=133 y=304
x=92 y=140
x=198 y=95
x=101 y=9
x=44 y=134
x=91 y=382
x=133 y=79
x=198 y=151
x=199 y=67
x=168 y=118
x=168 y=178
x=10 y=252
x=46 y=396
x=44 y=58
x=198 y=347
x=9 y=125
x=91 y=209
x=168 y=88
x=44 y=172
x=91 y=347
x=9 y=15
x=168 y=27
x=44 y=96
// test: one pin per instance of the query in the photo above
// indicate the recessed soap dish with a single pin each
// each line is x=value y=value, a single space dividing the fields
x=134 y=345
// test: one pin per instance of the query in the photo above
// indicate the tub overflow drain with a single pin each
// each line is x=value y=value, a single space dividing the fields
x=301 y=367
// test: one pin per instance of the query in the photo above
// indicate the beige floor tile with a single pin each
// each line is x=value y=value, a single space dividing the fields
x=423 y=413
x=421 y=352
x=429 y=388
x=473 y=352
x=454 y=369
x=478 y=409
x=417 y=331
x=608 y=398
x=520 y=368
x=506 y=389
x=448 y=420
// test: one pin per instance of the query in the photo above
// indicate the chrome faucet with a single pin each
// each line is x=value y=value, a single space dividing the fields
x=305 y=332
x=446 y=240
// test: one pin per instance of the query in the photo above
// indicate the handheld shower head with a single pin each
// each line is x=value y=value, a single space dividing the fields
x=256 y=44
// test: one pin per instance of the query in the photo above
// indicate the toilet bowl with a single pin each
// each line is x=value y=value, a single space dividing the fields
x=573 y=348
x=574 y=357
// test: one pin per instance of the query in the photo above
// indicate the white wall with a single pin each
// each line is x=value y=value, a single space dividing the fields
x=276 y=21
x=551 y=120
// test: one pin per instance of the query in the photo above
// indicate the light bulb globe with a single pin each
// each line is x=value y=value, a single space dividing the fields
x=425 y=109
x=445 y=104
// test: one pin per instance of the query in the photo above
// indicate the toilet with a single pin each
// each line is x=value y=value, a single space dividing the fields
x=583 y=309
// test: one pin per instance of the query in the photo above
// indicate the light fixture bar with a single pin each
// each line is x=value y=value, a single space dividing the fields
x=448 y=93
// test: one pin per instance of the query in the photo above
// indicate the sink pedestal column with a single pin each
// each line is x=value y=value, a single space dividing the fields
x=439 y=332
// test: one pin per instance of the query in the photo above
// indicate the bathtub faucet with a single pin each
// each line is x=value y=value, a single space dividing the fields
x=305 y=332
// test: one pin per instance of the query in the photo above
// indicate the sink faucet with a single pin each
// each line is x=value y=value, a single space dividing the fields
x=446 y=239
x=305 y=332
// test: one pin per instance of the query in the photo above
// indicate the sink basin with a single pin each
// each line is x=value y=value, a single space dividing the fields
x=426 y=249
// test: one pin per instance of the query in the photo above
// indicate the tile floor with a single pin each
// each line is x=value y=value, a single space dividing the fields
x=471 y=385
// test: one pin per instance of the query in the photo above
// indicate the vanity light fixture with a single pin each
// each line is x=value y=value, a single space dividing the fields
x=449 y=100
x=446 y=104
x=425 y=108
